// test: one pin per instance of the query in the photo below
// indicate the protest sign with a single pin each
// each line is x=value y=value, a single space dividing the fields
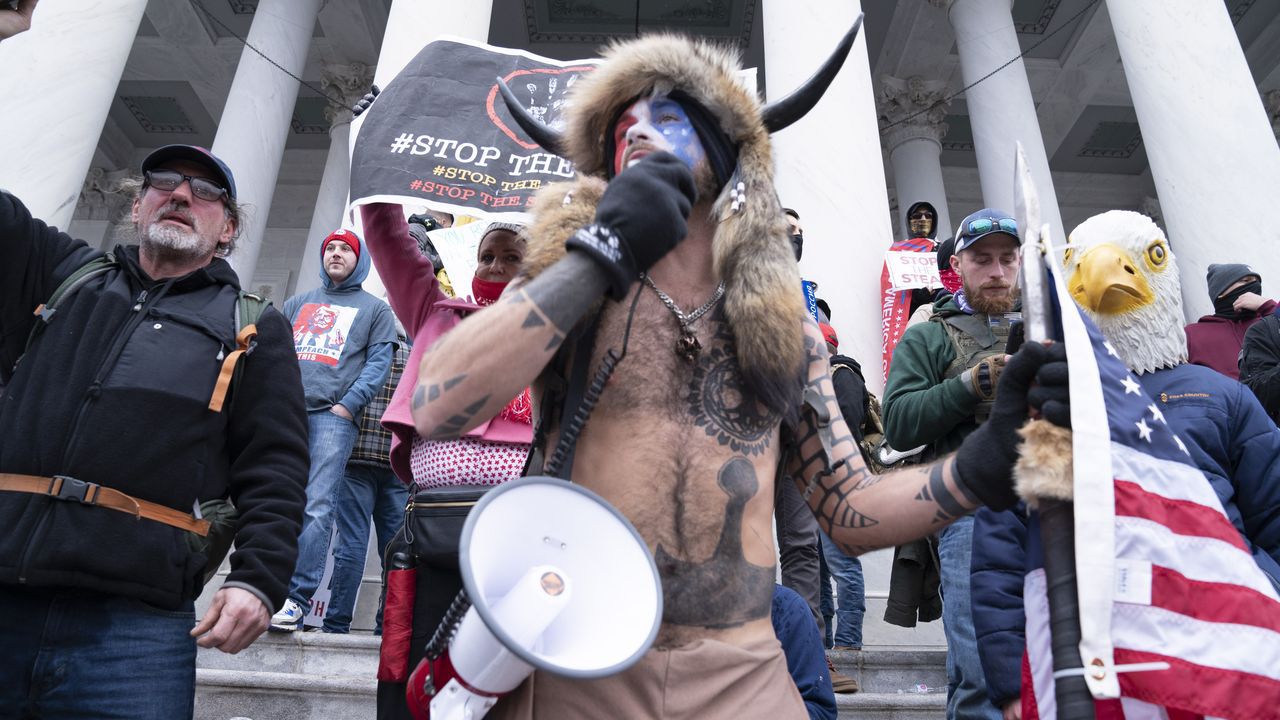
x=912 y=269
x=458 y=247
x=440 y=133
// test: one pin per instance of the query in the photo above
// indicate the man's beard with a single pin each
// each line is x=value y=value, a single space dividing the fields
x=704 y=181
x=990 y=305
x=173 y=241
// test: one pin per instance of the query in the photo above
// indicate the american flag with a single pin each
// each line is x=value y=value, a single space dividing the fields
x=1176 y=618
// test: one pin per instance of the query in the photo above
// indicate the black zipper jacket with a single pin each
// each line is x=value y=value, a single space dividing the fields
x=115 y=391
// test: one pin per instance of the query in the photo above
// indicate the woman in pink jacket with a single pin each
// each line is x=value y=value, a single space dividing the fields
x=427 y=313
x=492 y=453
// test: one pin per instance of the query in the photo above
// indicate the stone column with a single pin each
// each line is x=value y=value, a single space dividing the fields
x=255 y=120
x=1001 y=109
x=99 y=208
x=411 y=24
x=1209 y=140
x=915 y=146
x=829 y=168
x=1271 y=99
x=56 y=101
x=347 y=83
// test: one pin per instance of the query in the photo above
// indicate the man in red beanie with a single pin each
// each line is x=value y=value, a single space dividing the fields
x=345 y=339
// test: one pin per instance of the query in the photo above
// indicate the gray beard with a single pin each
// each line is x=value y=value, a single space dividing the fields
x=171 y=242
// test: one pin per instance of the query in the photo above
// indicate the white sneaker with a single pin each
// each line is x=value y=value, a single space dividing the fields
x=289 y=618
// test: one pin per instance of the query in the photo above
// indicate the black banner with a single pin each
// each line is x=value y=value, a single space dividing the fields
x=440 y=135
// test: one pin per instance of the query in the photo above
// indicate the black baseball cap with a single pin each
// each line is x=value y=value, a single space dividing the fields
x=197 y=155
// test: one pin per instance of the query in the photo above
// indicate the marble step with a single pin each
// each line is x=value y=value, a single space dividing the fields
x=304 y=654
x=892 y=706
x=894 y=671
x=313 y=675
x=260 y=695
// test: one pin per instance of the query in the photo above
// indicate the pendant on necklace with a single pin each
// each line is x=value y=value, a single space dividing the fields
x=688 y=346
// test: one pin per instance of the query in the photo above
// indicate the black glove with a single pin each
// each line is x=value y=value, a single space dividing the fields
x=428 y=222
x=363 y=103
x=426 y=247
x=984 y=462
x=640 y=218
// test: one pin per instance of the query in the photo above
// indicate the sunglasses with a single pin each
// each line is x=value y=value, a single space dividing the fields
x=981 y=226
x=169 y=180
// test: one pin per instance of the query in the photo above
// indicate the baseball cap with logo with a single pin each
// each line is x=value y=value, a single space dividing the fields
x=198 y=155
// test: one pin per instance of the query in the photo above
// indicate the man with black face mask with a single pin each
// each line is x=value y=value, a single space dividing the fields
x=795 y=231
x=1215 y=340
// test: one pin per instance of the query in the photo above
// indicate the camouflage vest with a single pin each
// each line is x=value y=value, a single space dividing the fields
x=974 y=338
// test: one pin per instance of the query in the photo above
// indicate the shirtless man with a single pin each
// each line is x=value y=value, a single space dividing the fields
x=687 y=436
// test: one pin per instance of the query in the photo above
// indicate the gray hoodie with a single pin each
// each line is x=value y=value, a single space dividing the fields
x=344 y=338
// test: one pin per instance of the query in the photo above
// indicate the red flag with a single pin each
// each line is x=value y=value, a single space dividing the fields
x=895 y=305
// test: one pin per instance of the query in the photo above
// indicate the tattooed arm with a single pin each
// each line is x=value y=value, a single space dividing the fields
x=858 y=510
x=478 y=366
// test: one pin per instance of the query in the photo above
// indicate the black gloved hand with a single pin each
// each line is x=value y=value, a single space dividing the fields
x=984 y=462
x=363 y=103
x=640 y=218
x=1051 y=396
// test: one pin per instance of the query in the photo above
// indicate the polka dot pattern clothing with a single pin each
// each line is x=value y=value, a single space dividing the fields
x=465 y=461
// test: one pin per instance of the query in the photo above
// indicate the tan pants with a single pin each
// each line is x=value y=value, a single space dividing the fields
x=705 y=680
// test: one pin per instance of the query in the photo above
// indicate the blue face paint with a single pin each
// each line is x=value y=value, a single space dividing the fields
x=660 y=123
x=673 y=122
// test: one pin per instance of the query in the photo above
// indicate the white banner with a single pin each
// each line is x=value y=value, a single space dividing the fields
x=912 y=269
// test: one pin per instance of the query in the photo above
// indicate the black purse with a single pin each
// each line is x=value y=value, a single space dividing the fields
x=433 y=522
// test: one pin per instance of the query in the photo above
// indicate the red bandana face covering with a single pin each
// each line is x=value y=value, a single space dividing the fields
x=486 y=292
x=950 y=280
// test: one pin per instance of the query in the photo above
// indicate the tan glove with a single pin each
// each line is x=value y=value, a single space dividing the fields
x=985 y=376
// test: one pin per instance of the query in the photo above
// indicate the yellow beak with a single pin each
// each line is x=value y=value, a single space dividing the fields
x=1107 y=281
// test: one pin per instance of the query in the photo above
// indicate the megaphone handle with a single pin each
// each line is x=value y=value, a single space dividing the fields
x=448 y=625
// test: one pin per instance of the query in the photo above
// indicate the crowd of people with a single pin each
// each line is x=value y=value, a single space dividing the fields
x=154 y=412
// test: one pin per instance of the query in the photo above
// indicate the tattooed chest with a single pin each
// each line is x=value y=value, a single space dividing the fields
x=704 y=393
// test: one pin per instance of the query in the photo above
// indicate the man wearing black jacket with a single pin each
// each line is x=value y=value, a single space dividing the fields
x=114 y=435
x=1260 y=363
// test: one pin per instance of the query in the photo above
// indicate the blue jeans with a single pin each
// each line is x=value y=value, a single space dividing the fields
x=365 y=491
x=331 y=438
x=80 y=654
x=966 y=685
x=851 y=602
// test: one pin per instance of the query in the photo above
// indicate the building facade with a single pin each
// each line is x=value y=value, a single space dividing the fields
x=1168 y=107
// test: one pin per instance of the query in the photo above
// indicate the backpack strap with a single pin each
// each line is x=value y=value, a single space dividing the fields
x=45 y=311
x=249 y=309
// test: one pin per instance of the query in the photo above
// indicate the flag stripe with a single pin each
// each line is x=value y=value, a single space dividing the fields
x=1213 y=602
x=1198 y=558
x=1135 y=709
x=1199 y=688
x=1184 y=517
x=1162 y=477
x=1241 y=648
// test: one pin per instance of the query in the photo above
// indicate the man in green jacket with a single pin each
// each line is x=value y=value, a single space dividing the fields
x=941 y=387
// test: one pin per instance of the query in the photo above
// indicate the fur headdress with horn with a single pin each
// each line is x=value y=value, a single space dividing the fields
x=752 y=252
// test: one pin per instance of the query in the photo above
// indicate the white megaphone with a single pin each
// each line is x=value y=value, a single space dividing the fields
x=558 y=580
